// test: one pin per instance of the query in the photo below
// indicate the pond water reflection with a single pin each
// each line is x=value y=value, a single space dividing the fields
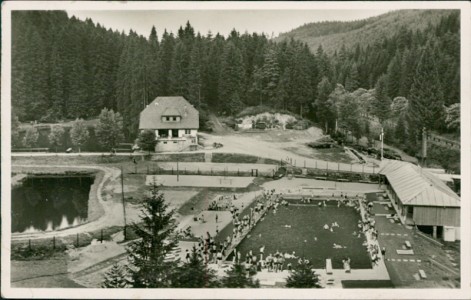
x=50 y=203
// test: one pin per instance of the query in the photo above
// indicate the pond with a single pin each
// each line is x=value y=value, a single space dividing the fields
x=52 y=202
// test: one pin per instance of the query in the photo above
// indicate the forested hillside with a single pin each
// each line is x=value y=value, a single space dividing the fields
x=333 y=34
x=64 y=68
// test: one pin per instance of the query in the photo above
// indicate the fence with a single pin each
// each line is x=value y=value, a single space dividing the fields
x=150 y=168
x=334 y=172
x=43 y=247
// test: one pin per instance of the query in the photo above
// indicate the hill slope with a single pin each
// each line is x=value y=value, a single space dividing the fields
x=332 y=34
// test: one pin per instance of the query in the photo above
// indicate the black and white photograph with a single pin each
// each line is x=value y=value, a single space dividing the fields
x=242 y=149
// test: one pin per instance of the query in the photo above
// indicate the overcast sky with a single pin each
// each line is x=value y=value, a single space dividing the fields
x=222 y=21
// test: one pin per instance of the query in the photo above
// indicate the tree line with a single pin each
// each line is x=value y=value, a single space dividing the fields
x=64 y=68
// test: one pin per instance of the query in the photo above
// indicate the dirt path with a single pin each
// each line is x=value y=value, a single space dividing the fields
x=113 y=211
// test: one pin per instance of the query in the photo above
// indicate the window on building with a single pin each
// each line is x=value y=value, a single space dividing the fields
x=163 y=133
x=175 y=133
x=187 y=131
x=174 y=118
x=165 y=143
x=174 y=142
x=167 y=118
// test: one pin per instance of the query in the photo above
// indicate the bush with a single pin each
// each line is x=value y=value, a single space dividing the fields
x=447 y=158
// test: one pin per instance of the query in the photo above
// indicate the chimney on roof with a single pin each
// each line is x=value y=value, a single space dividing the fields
x=185 y=111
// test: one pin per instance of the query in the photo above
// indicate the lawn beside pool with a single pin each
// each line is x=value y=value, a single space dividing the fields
x=304 y=223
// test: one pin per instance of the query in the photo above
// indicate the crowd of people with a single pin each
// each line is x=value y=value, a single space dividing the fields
x=222 y=202
x=213 y=251
x=367 y=226
x=275 y=262
x=210 y=250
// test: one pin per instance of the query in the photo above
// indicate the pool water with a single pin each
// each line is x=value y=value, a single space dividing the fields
x=299 y=228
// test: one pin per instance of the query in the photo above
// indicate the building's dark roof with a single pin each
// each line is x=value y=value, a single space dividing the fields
x=416 y=186
x=151 y=116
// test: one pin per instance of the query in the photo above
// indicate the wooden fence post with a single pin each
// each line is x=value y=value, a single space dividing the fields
x=54 y=242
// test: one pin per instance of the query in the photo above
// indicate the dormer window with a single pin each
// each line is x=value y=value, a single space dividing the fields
x=171 y=118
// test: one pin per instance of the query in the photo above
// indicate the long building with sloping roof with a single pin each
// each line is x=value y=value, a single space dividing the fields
x=421 y=198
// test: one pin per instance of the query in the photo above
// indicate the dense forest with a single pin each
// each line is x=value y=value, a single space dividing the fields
x=64 y=68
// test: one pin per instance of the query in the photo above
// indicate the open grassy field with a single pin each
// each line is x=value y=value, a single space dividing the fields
x=306 y=223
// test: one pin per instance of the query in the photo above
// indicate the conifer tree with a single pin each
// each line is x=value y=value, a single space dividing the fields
x=400 y=132
x=270 y=74
x=231 y=79
x=116 y=277
x=381 y=103
x=426 y=96
x=237 y=277
x=352 y=81
x=148 y=266
x=195 y=78
x=394 y=76
x=166 y=53
x=408 y=63
x=179 y=71
x=194 y=273
x=302 y=276
x=323 y=107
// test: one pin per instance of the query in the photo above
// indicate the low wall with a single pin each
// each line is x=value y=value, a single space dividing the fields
x=95 y=209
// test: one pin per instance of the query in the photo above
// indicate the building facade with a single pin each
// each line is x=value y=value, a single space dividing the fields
x=422 y=199
x=175 y=123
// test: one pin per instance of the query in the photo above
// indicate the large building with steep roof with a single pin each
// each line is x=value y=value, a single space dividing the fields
x=421 y=198
x=175 y=122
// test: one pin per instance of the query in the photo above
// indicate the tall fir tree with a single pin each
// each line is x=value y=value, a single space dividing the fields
x=394 y=76
x=230 y=79
x=303 y=276
x=194 y=273
x=352 y=82
x=381 y=103
x=426 y=96
x=237 y=277
x=148 y=266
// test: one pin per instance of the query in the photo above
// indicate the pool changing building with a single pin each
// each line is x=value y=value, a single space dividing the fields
x=420 y=198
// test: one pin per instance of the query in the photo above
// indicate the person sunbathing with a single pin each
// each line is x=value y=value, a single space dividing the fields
x=326 y=227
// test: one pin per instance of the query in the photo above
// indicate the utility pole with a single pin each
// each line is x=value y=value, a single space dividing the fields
x=381 y=138
x=124 y=205
x=178 y=175
x=424 y=146
x=199 y=95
